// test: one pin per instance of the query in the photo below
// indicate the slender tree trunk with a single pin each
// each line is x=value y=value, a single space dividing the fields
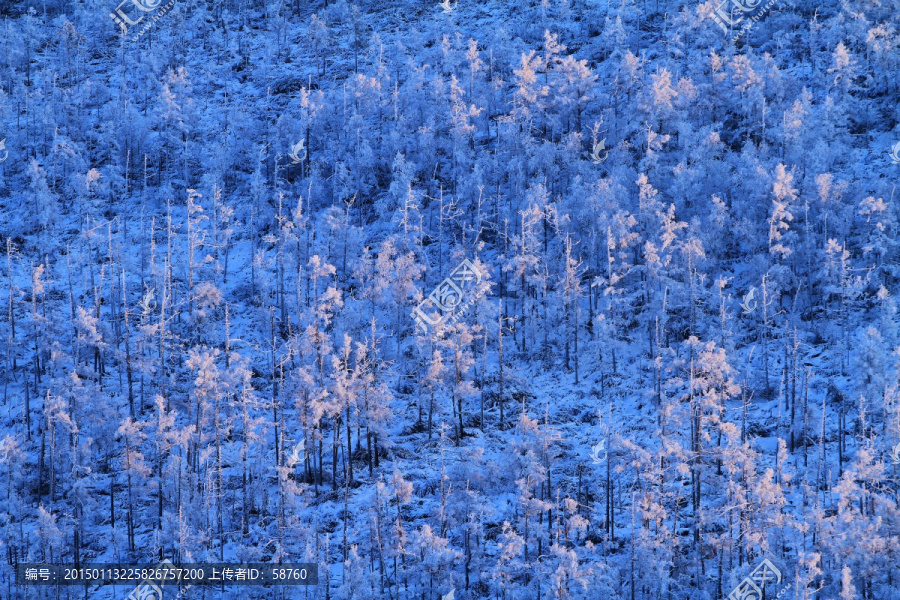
x=128 y=368
x=349 y=449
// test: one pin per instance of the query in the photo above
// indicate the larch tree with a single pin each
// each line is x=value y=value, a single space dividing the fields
x=134 y=467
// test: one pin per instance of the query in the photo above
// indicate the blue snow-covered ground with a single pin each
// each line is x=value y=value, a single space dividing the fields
x=660 y=467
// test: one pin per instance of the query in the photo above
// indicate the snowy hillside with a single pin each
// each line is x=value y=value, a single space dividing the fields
x=547 y=300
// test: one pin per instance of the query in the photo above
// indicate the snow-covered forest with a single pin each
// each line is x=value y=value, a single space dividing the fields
x=682 y=356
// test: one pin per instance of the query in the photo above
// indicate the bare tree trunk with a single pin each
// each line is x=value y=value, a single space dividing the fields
x=274 y=386
x=349 y=449
x=334 y=451
x=128 y=369
x=500 y=363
